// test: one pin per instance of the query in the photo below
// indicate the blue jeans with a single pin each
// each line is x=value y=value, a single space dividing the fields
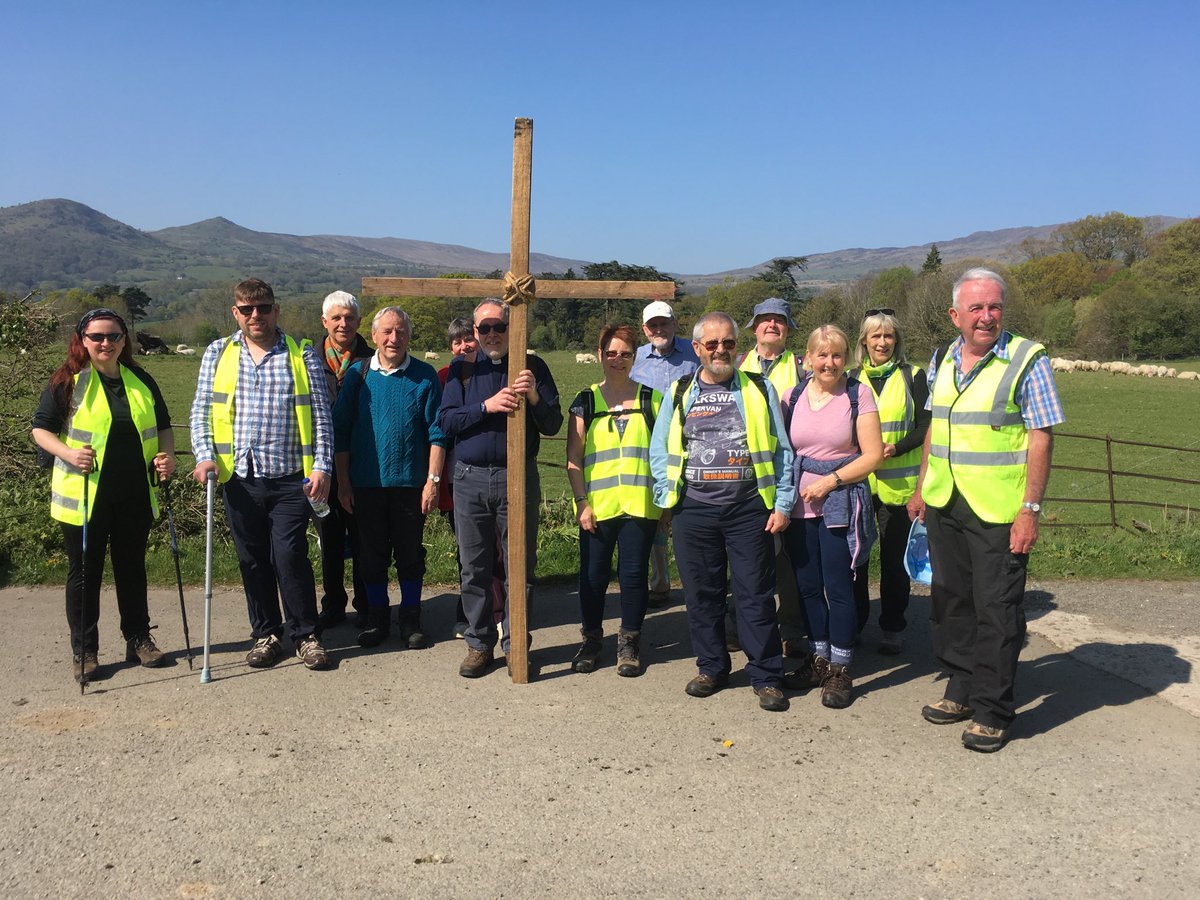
x=821 y=559
x=634 y=536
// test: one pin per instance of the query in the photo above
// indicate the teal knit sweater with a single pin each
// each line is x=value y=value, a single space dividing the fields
x=387 y=423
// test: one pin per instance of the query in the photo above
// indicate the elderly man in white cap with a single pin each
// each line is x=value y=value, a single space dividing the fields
x=658 y=364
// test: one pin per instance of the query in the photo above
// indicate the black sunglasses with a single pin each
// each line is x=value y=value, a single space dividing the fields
x=882 y=311
x=499 y=328
x=263 y=309
x=99 y=337
x=727 y=344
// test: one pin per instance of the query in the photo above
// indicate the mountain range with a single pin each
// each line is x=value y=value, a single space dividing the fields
x=54 y=244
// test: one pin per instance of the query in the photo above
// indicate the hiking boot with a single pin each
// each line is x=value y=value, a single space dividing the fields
x=265 y=653
x=477 y=662
x=589 y=651
x=379 y=627
x=706 y=685
x=408 y=619
x=310 y=652
x=836 y=686
x=771 y=698
x=141 y=649
x=892 y=643
x=808 y=674
x=984 y=738
x=629 y=646
x=88 y=667
x=946 y=712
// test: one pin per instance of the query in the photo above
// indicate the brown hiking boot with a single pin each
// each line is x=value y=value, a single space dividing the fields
x=836 y=687
x=589 y=651
x=310 y=652
x=706 y=685
x=88 y=667
x=141 y=649
x=265 y=653
x=984 y=738
x=477 y=662
x=629 y=648
x=946 y=712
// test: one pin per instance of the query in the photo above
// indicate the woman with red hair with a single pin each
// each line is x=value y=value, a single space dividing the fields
x=103 y=419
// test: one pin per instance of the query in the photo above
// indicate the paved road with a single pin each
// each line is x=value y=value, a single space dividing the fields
x=393 y=776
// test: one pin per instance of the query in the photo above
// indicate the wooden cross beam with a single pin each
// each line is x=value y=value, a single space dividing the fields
x=518 y=289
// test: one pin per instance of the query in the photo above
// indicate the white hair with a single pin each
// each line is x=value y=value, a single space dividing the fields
x=393 y=311
x=698 y=329
x=340 y=300
x=979 y=273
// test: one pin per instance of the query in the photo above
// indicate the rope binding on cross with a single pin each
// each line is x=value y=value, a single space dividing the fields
x=518 y=289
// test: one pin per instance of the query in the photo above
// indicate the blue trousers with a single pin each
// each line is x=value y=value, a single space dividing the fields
x=268 y=518
x=632 y=537
x=821 y=559
x=708 y=541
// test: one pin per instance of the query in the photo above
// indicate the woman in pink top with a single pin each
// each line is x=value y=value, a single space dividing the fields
x=833 y=424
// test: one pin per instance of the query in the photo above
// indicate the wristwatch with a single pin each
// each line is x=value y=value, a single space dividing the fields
x=1032 y=507
x=582 y=498
x=436 y=479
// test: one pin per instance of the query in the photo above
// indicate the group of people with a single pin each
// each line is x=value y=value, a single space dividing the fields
x=774 y=476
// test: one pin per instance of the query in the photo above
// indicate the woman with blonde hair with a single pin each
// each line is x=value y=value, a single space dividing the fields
x=834 y=428
x=900 y=390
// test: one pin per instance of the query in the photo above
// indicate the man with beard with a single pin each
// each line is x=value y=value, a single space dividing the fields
x=722 y=465
x=474 y=415
x=663 y=360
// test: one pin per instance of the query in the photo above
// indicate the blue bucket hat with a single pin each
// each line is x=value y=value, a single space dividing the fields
x=916 y=555
x=772 y=305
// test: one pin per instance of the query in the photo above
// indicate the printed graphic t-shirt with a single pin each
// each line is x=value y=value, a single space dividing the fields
x=718 y=470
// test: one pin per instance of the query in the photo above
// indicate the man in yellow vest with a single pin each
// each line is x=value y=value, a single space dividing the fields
x=723 y=465
x=984 y=470
x=261 y=421
x=772 y=324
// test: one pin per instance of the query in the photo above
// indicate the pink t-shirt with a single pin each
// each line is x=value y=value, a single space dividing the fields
x=824 y=434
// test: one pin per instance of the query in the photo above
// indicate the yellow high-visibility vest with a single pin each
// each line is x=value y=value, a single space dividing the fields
x=784 y=373
x=978 y=442
x=895 y=481
x=88 y=424
x=223 y=390
x=616 y=466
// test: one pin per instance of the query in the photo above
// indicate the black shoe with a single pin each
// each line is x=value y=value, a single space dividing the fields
x=409 y=623
x=629 y=651
x=589 y=651
x=706 y=685
x=331 y=617
x=771 y=698
x=379 y=627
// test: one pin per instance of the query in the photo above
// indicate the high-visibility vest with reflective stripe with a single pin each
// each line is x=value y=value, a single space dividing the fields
x=89 y=423
x=223 y=390
x=783 y=375
x=760 y=441
x=895 y=481
x=977 y=439
x=616 y=466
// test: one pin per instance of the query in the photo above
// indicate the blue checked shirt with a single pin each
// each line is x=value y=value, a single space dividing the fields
x=1036 y=393
x=265 y=430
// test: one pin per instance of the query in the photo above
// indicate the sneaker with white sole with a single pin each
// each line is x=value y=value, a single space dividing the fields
x=265 y=653
x=310 y=652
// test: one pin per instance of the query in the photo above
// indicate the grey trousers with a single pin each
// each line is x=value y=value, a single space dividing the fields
x=480 y=515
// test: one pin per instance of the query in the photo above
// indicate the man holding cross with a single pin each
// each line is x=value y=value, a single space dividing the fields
x=476 y=404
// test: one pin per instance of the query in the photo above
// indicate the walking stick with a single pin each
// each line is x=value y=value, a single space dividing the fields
x=83 y=593
x=211 y=490
x=187 y=640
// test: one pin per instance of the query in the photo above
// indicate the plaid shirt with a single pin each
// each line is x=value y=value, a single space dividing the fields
x=265 y=428
x=1036 y=394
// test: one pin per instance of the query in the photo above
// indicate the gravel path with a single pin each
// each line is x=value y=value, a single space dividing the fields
x=392 y=776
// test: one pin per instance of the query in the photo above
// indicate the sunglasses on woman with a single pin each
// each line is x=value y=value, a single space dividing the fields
x=499 y=328
x=99 y=337
x=617 y=354
x=264 y=309
x=882 y=311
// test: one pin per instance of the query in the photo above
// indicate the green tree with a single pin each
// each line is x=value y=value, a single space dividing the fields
x=933 y=262
x=889 y=288
x=1112 y=236
x=1050 y=278
x=1174 y=260
x=778 y=274
x=136 y=301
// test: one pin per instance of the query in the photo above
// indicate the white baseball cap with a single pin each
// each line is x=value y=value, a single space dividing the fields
x=657 y=310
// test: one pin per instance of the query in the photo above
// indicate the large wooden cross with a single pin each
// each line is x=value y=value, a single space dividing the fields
x=518 y=289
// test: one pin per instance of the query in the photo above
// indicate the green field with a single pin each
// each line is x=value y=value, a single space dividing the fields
x=1157 y=411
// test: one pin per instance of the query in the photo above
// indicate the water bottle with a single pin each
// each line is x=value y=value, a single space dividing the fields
x=320 y=507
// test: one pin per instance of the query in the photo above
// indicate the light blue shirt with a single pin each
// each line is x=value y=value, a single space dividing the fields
x=784 y=459
x=657 y=371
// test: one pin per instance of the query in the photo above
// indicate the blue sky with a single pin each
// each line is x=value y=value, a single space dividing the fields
x=691 y=136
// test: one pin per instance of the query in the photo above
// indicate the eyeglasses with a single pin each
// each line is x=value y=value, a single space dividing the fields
x=99 y=337
x=499 y=328
x=618 y=354
x=882 y=311
x=264 y=309
x=727 y=344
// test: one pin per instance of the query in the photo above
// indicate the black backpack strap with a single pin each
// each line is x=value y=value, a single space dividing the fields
x=793 y=399
x=646 y=401
x=680 y=387
x=852 y=386
x=587 y=399
x=906 y=371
